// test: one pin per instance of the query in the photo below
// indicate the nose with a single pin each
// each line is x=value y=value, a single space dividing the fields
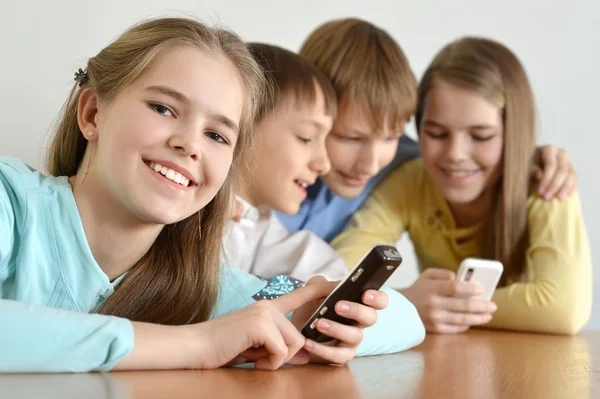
x=320 y=162
x=367 y=162
x=457 y=148
x=187 y=142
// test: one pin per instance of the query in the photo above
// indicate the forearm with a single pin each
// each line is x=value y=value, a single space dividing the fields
x=41 y=339
x=161 y=347
x=397 y=329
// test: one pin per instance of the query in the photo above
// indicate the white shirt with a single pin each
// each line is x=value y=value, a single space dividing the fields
x=261 y=245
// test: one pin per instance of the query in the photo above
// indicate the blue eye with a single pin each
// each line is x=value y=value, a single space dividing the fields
x=161 y=109
x=216 y=137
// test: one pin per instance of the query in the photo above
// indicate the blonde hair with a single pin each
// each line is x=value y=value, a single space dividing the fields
x=292 y=78
x=367 y=66
x=490 y=69
x=177 y=279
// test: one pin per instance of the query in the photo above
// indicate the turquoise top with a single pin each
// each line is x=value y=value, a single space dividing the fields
x=50 y=284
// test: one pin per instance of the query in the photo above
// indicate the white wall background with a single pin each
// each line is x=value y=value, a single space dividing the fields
x=43 y=44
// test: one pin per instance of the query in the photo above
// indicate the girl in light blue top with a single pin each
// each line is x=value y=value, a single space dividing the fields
x=111 y=262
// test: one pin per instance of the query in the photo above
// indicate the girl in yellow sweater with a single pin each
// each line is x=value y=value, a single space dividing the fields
x=470 y=196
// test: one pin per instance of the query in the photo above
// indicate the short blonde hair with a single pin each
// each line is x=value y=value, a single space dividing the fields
x=367 y=66
x=291 y=78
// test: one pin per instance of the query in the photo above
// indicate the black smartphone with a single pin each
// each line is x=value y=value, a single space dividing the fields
x=369 y=273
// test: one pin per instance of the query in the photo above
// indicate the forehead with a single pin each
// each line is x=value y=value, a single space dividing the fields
x=211 y=82
x=356 y=118
x=453 y=105
x=292 y=110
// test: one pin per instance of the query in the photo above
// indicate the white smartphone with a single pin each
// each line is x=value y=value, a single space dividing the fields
x=484 y=272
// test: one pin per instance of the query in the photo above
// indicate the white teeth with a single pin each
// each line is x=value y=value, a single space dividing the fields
x=461 y=173
x=170 y=174
x=302 y=183
x=178 y=178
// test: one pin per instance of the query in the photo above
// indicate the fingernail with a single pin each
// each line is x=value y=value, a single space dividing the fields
x=344 y=307
x=324 y=325
x=494 y=307
x=562 y=197
x=309 y=344
x=370 y=297
x=547 y=196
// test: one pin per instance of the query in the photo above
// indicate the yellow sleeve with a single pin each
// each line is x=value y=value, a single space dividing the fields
x=558 y=297
x=378 y=221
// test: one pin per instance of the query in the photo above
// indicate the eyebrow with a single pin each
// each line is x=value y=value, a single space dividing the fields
x=478 y=126
x=182 y=98
x=315 y=124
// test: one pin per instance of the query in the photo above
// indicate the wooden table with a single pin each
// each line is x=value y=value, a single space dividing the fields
x=480 y=364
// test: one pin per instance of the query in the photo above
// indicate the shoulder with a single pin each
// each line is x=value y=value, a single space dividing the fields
x=18 y=180
x=540 y=209
x=405 y=178
x=18 y=176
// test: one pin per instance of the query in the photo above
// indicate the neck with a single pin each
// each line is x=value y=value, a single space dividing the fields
x=117 y=240
x=245 y=192
x=473 y=213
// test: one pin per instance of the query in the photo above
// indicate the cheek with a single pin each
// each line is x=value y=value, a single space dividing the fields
x=429 y=150
x=386 y=153
x=337 y=152
x=218 y=165
x=490 y=154
x=136 y=130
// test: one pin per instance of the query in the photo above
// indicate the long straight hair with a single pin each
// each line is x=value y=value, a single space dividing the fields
x=176 y=281
x=491 y=70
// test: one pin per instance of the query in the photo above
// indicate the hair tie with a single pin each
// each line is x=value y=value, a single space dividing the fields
x=81 y=76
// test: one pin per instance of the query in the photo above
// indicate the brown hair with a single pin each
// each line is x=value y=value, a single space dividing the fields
x=291 y=78
x=493 y=71
x=177 y=279
x=365 y=65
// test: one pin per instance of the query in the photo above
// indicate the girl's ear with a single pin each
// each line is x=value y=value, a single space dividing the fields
x=87 y=110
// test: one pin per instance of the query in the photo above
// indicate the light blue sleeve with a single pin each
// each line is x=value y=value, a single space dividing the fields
x=397 y=329
x=236 y=289
x=7 y=222
x=36 y=339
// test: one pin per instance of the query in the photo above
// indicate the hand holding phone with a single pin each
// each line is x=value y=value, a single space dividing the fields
x=370 y=273
x=485 y=273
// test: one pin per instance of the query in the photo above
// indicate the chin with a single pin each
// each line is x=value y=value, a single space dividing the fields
x=288 y=209
x=347 y=192
x=460 y=198
x=160 y=217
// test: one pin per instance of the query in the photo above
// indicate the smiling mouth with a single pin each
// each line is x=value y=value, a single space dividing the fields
x=170 y=174
x=460 y=173
x=302 y=183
